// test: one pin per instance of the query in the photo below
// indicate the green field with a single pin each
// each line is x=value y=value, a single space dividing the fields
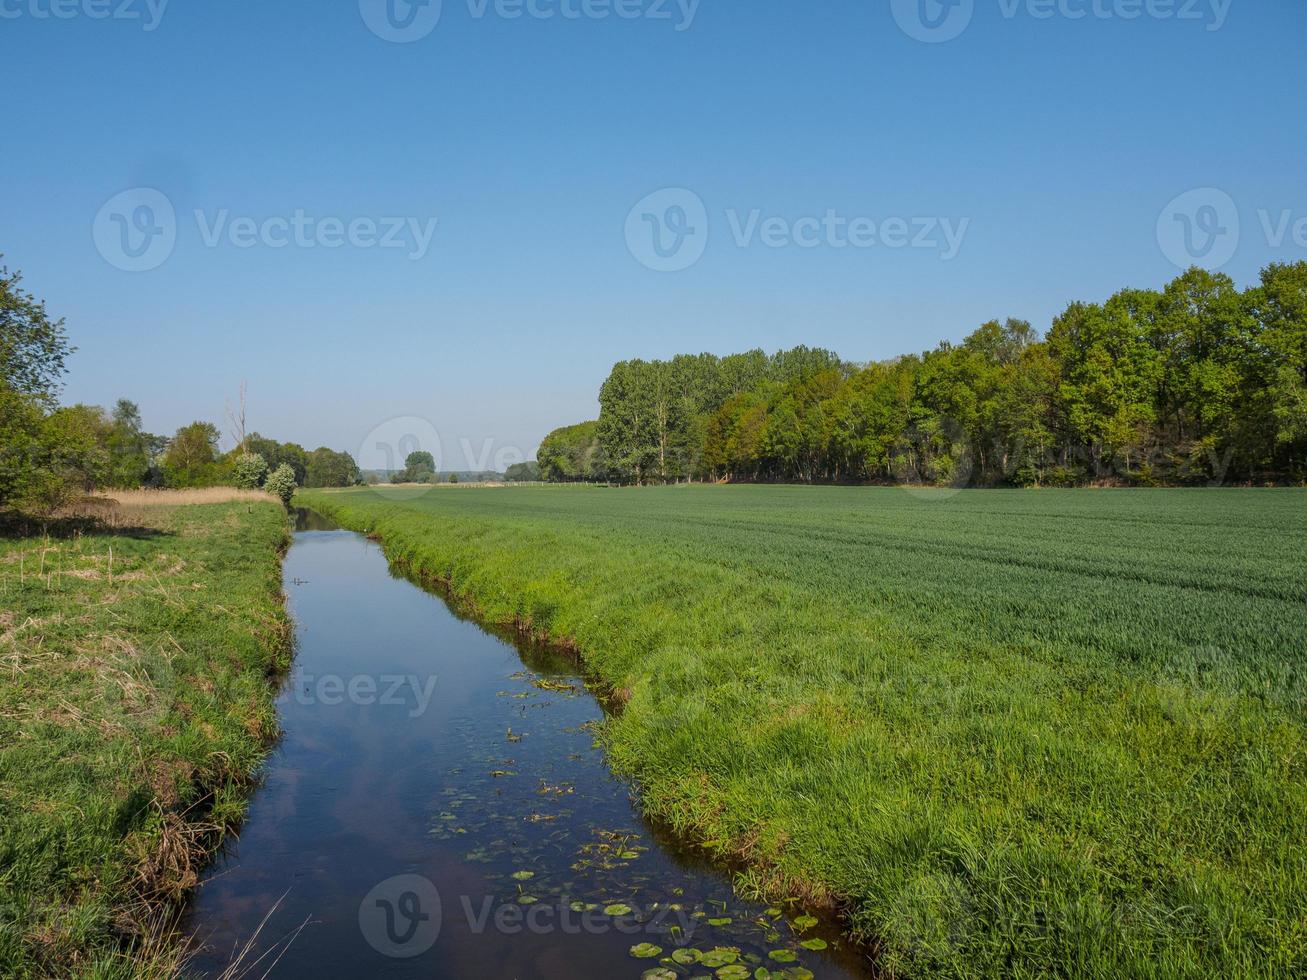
x=1015 y=733
x=134 y=707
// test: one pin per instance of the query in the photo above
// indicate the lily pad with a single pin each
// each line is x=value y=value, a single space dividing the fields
x=773 y=912
x=659 y=973
x=617 y=908
x=720 y=956
x=523 y=875
x=783 y=955
x=527 y=899
x=646 y=951
x=804 y=922
x=736 y=971
x=686 y=956
x=720 y=922
x=814 y=944
x=796 y=973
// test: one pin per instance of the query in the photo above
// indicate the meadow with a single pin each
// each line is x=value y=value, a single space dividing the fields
x=135 y=708
x=1007 y=733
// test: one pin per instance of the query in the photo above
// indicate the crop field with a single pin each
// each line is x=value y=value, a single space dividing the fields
x=1010 y=733
x=135 y=706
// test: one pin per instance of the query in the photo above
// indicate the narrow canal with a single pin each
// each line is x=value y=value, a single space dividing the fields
x=439 y=807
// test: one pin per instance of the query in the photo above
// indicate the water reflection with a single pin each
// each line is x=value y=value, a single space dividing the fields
x=438 y=806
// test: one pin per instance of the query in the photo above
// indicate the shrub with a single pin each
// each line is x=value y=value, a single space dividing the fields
x=282 y=483
x=250 y=471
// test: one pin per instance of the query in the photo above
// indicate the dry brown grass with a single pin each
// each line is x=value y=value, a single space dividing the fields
x=178 y=498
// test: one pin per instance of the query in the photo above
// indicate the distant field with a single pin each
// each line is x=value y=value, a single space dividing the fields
x=134 y=707
x=1017 y=732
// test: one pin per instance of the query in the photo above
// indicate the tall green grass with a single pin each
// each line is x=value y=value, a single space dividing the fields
x=135 y=705
x=1017 y=734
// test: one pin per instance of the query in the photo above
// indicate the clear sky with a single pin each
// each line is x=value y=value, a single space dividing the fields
x=1048 y=137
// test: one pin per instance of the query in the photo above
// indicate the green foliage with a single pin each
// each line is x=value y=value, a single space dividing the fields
x=192 y=457
x=1057 y=734
x=419 y=467
x=250 y=471
x=528 y=472
x=133 y=703
x=453 y=477
x=277 y=453
x=328 y=468
x=281 y=483
x=1196 y=383
x=572 y=455
x=32 y=346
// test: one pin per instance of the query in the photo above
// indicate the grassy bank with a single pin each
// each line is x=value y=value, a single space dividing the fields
x=1016 y=733
x=134 y=707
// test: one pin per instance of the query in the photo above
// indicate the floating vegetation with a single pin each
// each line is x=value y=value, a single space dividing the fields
x=564 y=837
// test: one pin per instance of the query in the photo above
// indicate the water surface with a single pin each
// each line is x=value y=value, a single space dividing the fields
x=438 y=807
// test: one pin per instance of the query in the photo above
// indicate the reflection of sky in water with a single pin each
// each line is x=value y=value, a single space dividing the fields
x=488 y=783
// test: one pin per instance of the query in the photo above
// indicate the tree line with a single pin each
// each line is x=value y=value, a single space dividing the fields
x=50 y=454
x=1196 y=383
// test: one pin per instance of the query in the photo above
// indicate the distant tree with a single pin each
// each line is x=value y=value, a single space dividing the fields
x=328 y=468
x=453 y=477
x=528 y=472
x=192 y=456
x=132 y=451
x=419 y=467
x=281 y=483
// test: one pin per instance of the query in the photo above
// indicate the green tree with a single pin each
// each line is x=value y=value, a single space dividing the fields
x=328 y=468
x=192 y=456
x=33 y=347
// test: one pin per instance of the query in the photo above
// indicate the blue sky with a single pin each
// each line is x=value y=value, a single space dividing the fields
x=1050 y=144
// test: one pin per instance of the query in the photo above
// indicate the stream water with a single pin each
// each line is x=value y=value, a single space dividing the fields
x=438 y=807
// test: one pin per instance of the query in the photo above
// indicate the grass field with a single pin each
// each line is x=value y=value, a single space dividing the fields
x=1016 y=733
x=134 y=706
